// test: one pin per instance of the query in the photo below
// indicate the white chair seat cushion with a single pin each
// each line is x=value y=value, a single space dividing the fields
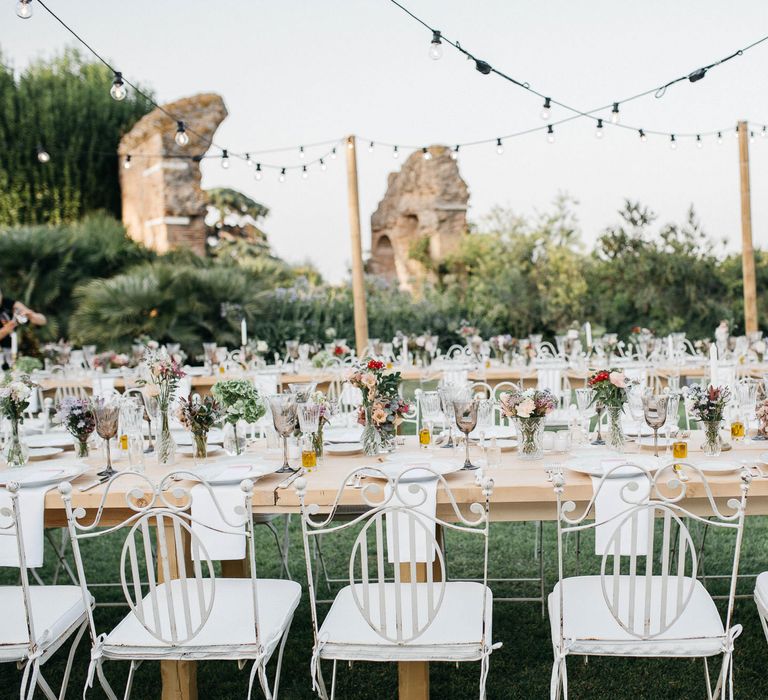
x=456 y=633
x=229 y=630
x=55 y=610
x=761 y=589
x=590 y=628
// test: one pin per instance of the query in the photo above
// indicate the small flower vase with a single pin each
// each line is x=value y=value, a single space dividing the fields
x=166 y=446
x=200 y=444
x=81 y=446
x=616 y=437
x=530 y=437
x=234 y=438
x=388 y=441
x=317 y=441
x=16 y=452
x=371 y=436
x=713 y=445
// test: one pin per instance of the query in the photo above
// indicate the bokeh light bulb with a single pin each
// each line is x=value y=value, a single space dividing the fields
x=118 y=90
x=436 y=47
x=24 y=9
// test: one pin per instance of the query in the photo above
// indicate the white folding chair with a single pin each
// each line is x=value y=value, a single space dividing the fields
x=761 y=600
x=647 y=601
x=37 y=620
x=186 y=612
x=386 y=613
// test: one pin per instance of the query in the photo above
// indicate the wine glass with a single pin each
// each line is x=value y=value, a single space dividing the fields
x=465 y=412
x=584 y=398
x=430 y=409
x=655 y=411
x=635 y=406
x=747 y=393
x=107 y=415
x=292 y=352
x=283 y=407
x=302 y=390
x=448 y=394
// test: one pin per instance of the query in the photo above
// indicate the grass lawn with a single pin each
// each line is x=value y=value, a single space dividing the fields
x=521 y=669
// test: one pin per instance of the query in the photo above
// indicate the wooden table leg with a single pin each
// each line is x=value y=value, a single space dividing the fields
x=179 y=678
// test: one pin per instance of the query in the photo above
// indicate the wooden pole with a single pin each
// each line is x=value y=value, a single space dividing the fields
x=747 y=252
x=358 y=278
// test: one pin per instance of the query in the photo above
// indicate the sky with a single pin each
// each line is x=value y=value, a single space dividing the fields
x=293 y=72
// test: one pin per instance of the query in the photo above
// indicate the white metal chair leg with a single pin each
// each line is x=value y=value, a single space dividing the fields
x=276 y=685
x=43 y=685
x=333 y=680
x=129 y=683
x=71 y=658
x=106 y=687
x=709 y=684
x=283 y=555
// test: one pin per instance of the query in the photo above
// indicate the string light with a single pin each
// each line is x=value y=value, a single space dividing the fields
x=699 y=142
x=751 y=136
x=127 y=163
x=499 y=147
x=763 y=132
x=333 y=153
x=282 y=175
x=323 y=166
x=436 y=47
x=181 y=138
x=482 y=66
x=118 y=90
x=599 y=129
x=24 y=9
x=370 y=147
x=304 y=173
x=301 y=152
x=672 y=142
x=395 y=152
x=550 y=134
x=643 y=137
x=225 y=159
x=258 y=174
x=615 y=113
x=546 y=110
x=426 y=154
x=455 y=153
x=42 y=155
x=248 y=160
x=719 y=137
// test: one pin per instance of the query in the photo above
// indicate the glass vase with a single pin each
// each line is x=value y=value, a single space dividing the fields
x=81 y=446
x=317 y=440
x=200 y=444
x=234 y=438
x=15 y=452
x=713 y=445
x=616 y=437
x=530 y=437
x=371 y=438
x=166 y=445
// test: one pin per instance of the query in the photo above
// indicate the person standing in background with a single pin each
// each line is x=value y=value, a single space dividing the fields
x=12 y=315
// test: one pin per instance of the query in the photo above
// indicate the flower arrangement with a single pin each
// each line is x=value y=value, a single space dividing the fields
x=762 y=418
x=340 y=349
x=15 y=392
x=77 y=416
x=26 y=364
x=322 y=359
x=326 y=411
x=610 y=387
x=466 y=331
x=382 y=408
x=58 y=352
x=501 y=344
x=531 y=403
x=199 y=417
x=239 y=400
x=110 y=359
x=708 y=404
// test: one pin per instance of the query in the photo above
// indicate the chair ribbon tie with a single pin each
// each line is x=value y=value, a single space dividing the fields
x=96 y=654
x=728 y=647
x=32 y=666
x=314 y=666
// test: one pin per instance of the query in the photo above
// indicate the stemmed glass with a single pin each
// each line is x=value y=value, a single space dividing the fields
x=430 y=408
x=583 y=402
x=302 y=390
x=635 y=405
x=209 y=352
x=107 y=415
x=292 y=351
x=448 y=394
x=655 y=411
x=747 y=393
x=673 y=409
x=465 y=413
x=283 y=407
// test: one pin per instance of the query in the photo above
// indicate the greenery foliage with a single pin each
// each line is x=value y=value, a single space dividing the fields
x=64 y=106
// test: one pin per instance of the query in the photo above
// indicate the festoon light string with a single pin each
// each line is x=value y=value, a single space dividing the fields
x=119 y=92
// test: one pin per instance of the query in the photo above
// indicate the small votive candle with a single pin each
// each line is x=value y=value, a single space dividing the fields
x=680 y=449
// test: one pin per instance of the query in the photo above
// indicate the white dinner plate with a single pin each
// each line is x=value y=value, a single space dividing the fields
x=500 y=432
x=597 y=464
x=630 y=430
x=232 y=470
x=189 y=450
x=763 y=457
x=40 y=475
x=37 y=453
x=343 y=448
x=647 y=442
x=717 y=466
x=62 y=440
x=395 y=465
x=343 y=435
x=184 y=437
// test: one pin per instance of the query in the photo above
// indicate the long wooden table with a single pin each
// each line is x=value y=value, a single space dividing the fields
x=521 y=492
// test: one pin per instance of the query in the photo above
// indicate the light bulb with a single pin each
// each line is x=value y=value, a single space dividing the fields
x=127 y=163
x=333 y=153
x=42 y=155
x=672 y=142
x=436 y=47
x=546 y=109
x=499 y=147
x=350 y=143
x=181 y=138
x=370 y=147
x=301 y=152
x=615 y=113
x=764 y=132
x=550 y=134
x=323 y=166
x=719 y=137
x=248 y=160
x=699 y=142
x=426 y=154
x=118 y=90
x=643 y=137
x=282 y=175
x=599 y=129
x=24 y=9
x=258 y=174
x=455 y=153
x=395 y=152
x=304 y=173
x=751 y=136
x=224 y=159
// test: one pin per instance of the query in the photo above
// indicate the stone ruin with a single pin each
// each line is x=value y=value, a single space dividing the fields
x=425 y=204
x=163 y=204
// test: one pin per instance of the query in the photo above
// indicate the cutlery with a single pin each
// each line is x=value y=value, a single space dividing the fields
x=94 y=484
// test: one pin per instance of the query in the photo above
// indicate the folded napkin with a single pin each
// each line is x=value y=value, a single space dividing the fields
x=31 y=513
x=609 y=504
x=225 y=545
x=424 y=549
x=343 y=435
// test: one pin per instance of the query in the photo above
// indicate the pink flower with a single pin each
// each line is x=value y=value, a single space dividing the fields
x=525 y=408
x=618 y=379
